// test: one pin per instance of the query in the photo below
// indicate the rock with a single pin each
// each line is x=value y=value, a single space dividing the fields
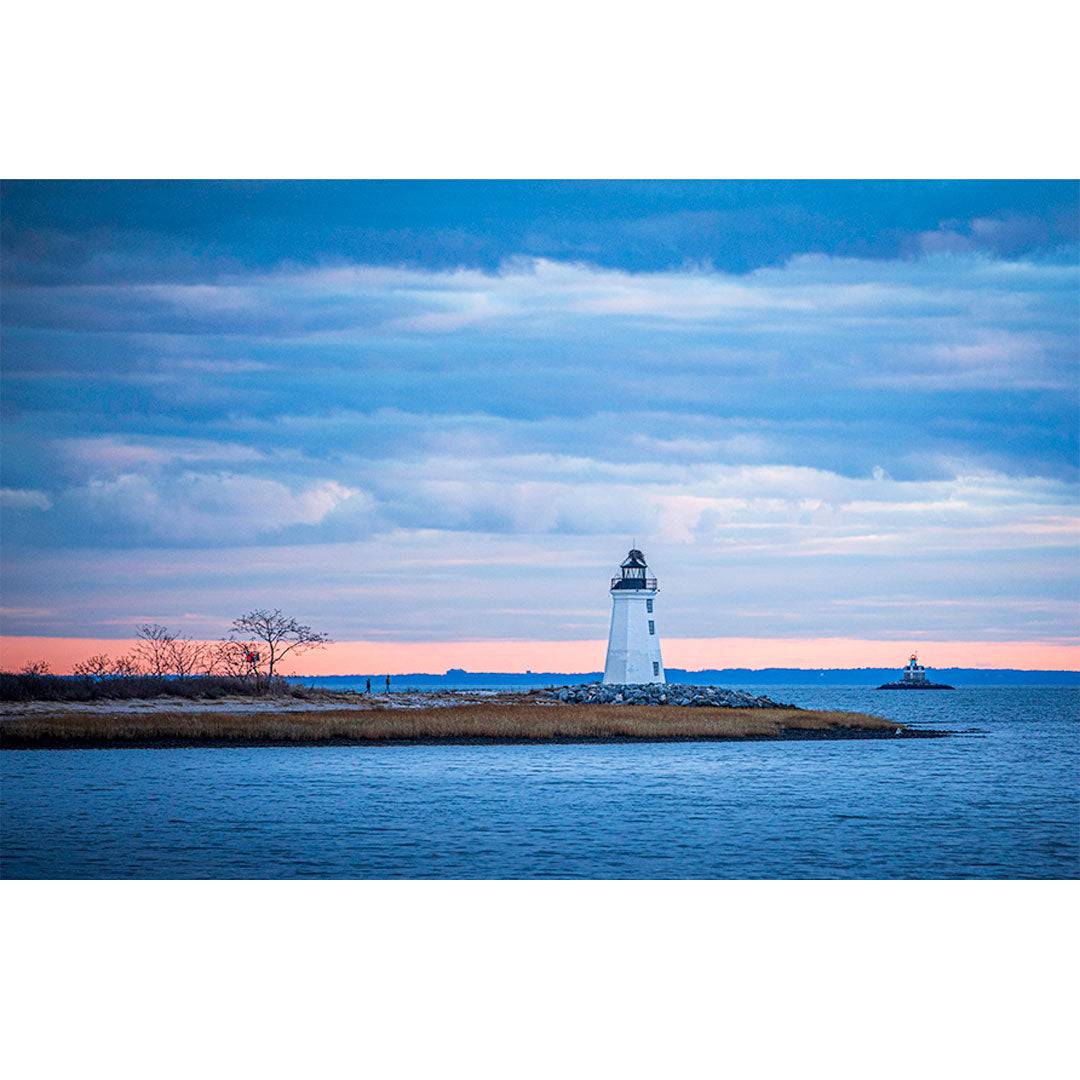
x=714 y=697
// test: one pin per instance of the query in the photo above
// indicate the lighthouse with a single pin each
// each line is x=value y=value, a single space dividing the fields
x=914 y=673
x=633 y=651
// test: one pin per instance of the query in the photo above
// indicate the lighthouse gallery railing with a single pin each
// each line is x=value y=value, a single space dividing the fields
x=634 y=583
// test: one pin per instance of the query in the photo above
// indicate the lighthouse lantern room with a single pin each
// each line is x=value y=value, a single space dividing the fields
x=914 y=673
x=633 y=653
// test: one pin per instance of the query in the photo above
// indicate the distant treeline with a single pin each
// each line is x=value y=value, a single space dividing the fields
x=711 y=677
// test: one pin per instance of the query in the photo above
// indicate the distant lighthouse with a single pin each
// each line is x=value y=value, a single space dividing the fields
x=633 y=651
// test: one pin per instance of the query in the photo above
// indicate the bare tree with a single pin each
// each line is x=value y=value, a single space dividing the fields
x=154 y=648
x=186 y=657
x=235 y=659
x=125 y=666
x=160 y=651
x=97 y=666
x=276 y=636
x=36 y=667
x=101 y=666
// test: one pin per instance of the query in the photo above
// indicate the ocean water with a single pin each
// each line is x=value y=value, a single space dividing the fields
x=998 y=799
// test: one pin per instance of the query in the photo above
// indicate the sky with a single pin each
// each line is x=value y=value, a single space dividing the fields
x=430 y=418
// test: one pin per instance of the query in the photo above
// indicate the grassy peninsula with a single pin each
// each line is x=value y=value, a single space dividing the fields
x=507 y=718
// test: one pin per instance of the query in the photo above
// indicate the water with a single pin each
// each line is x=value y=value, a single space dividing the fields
x=1000 y=799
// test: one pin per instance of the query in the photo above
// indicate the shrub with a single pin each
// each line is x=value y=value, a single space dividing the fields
x=27 y=686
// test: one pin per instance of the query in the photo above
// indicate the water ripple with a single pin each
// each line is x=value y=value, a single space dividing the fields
x=1002 y=800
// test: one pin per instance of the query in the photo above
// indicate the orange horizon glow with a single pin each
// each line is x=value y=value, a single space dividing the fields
x=413 y=657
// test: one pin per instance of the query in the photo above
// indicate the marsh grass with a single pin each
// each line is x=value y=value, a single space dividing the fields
x=474 y=722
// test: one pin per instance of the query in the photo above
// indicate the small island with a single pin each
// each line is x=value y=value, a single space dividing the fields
x=305 y=717
x=914 y=678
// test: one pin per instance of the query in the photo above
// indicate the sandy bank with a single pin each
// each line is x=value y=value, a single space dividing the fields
x=487 y=721
x=307 y=701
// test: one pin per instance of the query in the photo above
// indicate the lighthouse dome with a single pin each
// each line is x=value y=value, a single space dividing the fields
x=632 y=573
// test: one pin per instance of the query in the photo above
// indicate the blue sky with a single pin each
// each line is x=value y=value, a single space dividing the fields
x=440 y=411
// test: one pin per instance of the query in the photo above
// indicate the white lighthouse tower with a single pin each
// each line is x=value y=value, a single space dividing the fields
x=633 y=651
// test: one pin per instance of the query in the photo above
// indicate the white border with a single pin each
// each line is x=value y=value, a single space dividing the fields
x=750 y=979
x=479 y=88
x=540 y=979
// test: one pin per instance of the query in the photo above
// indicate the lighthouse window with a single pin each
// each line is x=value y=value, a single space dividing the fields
x=656 y=667
x=652 y=627
x=648 y=606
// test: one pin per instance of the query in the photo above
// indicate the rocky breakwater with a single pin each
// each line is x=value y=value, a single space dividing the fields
x=713 y=697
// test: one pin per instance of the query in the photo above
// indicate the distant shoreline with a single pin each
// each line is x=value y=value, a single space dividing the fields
x=869 y=678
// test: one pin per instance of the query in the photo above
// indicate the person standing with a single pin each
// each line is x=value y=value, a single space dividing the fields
x=369 y=686
x=388 y=684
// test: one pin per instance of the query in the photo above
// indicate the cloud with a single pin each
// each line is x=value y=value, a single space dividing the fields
x=373 y=297
x=205 y=507
x=1011 y=236
x=373 y=435
x=864 y=320
x=24 y=499
x=104 y=233
x=784 y=510
x=108 y=455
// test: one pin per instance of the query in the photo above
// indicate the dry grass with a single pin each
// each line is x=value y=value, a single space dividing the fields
x=480 y=722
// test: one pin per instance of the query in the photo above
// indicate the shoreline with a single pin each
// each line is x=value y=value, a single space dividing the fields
x=508 y=721
x=836 y=735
